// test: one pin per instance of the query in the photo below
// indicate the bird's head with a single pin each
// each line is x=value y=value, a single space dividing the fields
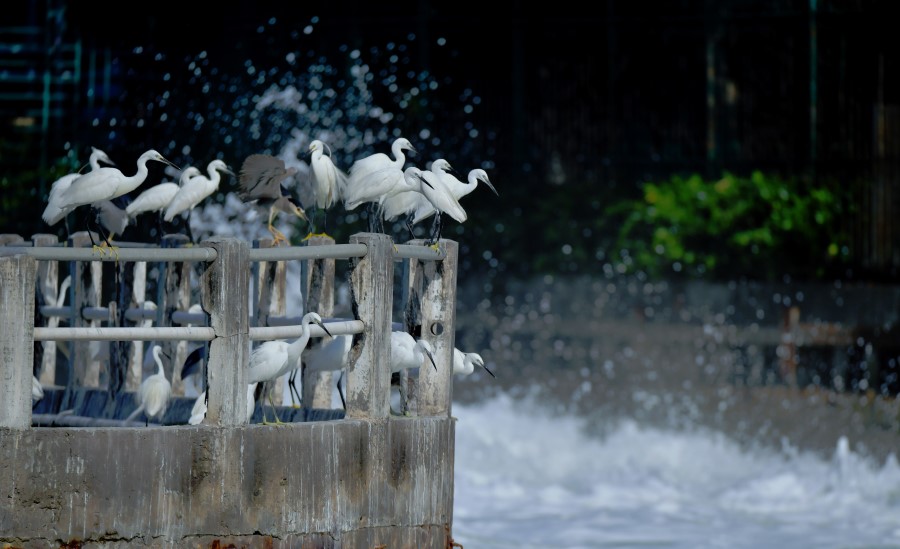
x=481 y=175
x=316 y=319
x=154 y=155
x=221 y=166
x=188 y=173
x=404 y=145
x=476 y=359
x=102 y=156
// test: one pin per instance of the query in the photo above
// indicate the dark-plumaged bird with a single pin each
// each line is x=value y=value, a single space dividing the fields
x=260 y=180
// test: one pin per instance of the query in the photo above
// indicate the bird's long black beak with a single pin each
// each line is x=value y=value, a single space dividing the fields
x=490 y=185
x=423 y=180
x=488 y=371
x=167 y=161
x=322 y=325
x=431 y=358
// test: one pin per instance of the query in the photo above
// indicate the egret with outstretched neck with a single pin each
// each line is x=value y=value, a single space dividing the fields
x=376 y=177
x=194 y=191
x=275 y=358
x=103 y=183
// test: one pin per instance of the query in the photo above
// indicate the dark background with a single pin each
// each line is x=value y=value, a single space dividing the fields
x=577 y=104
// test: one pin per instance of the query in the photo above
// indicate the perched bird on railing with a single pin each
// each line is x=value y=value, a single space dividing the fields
x=157 y=198
x=329 y=182
x=405 y=203
x=442 y=200
x=64 y=182
x=260 y=180
x=154 y=392
x=275 y=358
x=374 y=178
x=104 y=183
x=464 y=363
x=195 y=190
x=198 y=411
x=457 y=188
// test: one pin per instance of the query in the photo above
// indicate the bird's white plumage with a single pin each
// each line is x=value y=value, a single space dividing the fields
x=56 y=189
x=458 y=189
x=154 y=392
x=196 y=189
x=464 y=363
x=103 y=183
x=408 y=352
x=275 y=358
x=159 y=196
x=328 y=180
x=406 y=202
x=438 y=193
x=376 y=177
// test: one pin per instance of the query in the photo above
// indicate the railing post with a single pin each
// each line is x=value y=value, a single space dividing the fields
x=319 y=291
x=177 y=298
x=438 y=319
x=225 y=289
x=372 y=287
x=47 y=286
x=136 y=359
x=87 y=294
x=17 y=276
x=270 y=279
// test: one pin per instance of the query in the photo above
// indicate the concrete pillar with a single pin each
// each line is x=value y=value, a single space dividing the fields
x=225 y=288
x=17 y=276
x=372 y=288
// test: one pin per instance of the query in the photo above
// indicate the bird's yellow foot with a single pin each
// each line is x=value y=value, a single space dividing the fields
x=435 y=246
x=311 y=235
x=278 y=238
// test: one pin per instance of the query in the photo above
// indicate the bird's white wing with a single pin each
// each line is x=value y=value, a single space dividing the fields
x=188 y=196
x=153 y=199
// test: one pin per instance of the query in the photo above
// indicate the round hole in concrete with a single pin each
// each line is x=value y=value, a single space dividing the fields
x=437 y=328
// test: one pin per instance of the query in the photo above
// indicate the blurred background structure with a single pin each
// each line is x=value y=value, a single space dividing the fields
x=749 y=147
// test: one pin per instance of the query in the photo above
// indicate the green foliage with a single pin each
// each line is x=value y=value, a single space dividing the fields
x=759 y=227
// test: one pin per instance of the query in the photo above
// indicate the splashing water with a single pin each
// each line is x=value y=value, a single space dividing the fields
x=528 y=478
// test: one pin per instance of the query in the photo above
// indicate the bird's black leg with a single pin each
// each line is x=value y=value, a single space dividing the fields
x=295 y=394
x=409 y=226
x=341 y=391
x=188 y=225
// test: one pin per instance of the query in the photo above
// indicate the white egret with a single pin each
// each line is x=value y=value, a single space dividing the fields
x=104 y=183
x=154 y=392
x=405 y=203
x=275 y=358
x=198 y=411
x=438 y=194
x=464 y=363
x=374 y=178
x=158 y=197
x=456 y=187
x=408 y=352
x=194 y=191
x=260 y=180
x=56 y=189
x=328 y=180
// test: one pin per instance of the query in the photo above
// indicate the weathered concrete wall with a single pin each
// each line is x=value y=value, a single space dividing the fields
x=347 y=484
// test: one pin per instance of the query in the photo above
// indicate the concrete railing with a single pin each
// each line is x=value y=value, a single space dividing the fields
x=225 y=292
x=372 y=479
